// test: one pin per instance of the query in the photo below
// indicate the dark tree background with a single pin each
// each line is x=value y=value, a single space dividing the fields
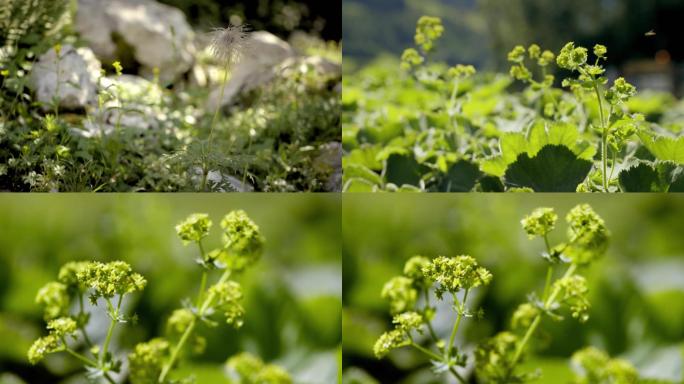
x=277 y=16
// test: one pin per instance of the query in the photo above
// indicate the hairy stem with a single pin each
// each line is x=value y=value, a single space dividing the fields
x=206 y=304
x=114 y=315
x=537 y=319
x=80 y=357
x=604 y=138
x=459 y=316
x=176 y=350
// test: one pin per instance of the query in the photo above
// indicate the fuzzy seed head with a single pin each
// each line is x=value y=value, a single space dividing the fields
x=229 y=44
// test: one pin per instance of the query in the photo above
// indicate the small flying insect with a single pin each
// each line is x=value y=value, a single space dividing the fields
x=650 y=33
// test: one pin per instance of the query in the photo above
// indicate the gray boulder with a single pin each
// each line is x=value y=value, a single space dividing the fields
x=72 y=78
x=159 y=35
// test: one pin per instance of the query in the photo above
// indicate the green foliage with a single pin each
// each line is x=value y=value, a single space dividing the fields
x=498 y=359
x=248 y=369
x=106 y=284
x=437 y=129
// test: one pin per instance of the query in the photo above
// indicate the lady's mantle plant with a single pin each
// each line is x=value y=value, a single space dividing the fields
x=498 y=358
x=106 y=285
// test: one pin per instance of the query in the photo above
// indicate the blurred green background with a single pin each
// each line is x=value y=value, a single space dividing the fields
x=292 y=296
x=636 y=290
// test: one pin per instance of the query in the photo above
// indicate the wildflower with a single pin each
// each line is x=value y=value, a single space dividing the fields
x=407 y=321
x=414 y=270
x=411 y=59
x=517 y=55
x=118 y=68
x=389 y=341
x=571 y=57
x=595 y=366
x=621 y=91
x=456 y=273
x=179 y=321
x=461 y=71
x=494 y=358
x=68 y=274
x=63 y=326
x=194 y=228
x=228 y=296
x=228 y=44
x=588 y=235
x=540 y=222
x=251 y=369
x=42 y=347
x=147 y=360
x=242 y=239
x=546 y=58
x=524 y=315
x=400 y=293
x=109 y=279
x=600 y=51
x=55 y=300
x=520 y=72
x=534 y=51
x=428 y=30
x=573 y=292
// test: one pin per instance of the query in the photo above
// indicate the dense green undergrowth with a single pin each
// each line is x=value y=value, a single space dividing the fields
x=272 y=139
x=554 y=123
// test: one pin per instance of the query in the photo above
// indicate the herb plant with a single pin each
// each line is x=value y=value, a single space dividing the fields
x=555 y=123
x=106 y=285
x=498 y=359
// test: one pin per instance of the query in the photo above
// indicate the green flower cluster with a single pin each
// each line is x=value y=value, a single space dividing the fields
x=587 y=234
x=594 y=366
x=146 y=361
x=540 y=222
x=620 y=92
x=495 y=359
x=460 y=71
x=411 y=59
x=571 y=57
x=246 y=368
x=428 y=30
x=401 y=294
x=573 y=292
x=59 y=329
x=228 y=296
x=109 y=279
x=194 y=228
x=388 y=341
x=523 y=316
x=413 y=269
x=520 y=71
x=242 y=240
x=456 y=273
x=54 y=298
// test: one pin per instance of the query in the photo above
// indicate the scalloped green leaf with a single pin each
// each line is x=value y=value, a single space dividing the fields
x=461 y=177
x=403 y=169
x=665 y=148
x=640 y=178
x=555 y=168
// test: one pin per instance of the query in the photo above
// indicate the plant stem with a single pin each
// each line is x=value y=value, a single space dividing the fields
x=114 y=315
x=81 y=313
x=427 y=351
x=179 y=346
x=604 y=138
x=549 y=273
x=457 y=375
x=80 y=357
x=537 y=319
x=433 y=334
x=456 y=324
x=218 y=105
x=203 y=282
x=188 y=331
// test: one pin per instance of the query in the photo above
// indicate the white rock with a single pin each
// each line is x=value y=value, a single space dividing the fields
x=72 y=78
x=265 y=51
x=159 y=35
